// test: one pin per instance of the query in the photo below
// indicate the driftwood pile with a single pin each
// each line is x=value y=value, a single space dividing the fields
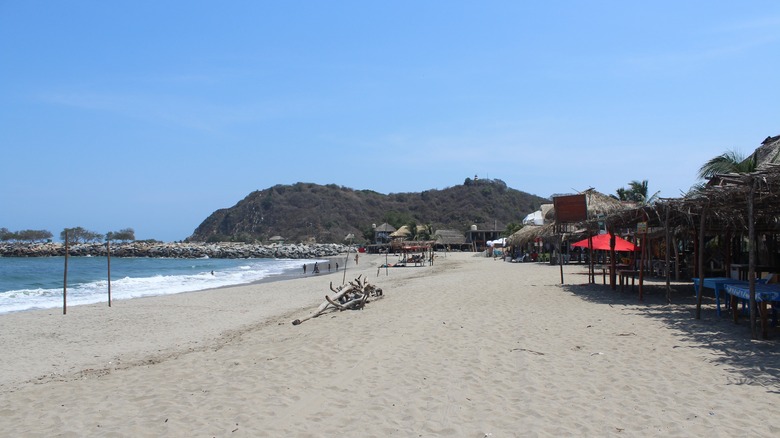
x=353 y=295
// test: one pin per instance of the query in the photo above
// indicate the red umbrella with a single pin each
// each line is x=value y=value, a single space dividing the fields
x=601 y=241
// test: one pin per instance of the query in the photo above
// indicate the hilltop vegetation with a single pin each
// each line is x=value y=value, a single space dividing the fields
x=307 y=212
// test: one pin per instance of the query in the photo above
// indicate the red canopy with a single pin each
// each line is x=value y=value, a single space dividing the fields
x=601 y=241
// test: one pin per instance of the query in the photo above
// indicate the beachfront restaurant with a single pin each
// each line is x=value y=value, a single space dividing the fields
x=723 y=238
x=559 y=229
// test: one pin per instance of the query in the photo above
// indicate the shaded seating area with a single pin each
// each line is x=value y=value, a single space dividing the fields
x=720 y=235
x=730 y=227
x=717 y=284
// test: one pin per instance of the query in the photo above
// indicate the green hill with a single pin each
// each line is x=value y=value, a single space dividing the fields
x=312 y=212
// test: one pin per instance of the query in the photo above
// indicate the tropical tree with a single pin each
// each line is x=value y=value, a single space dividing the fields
x=25 y=235
x=728 y=162
x=424 y=232
x=80 y=235
x=511 y=228
x=411 y=225
x=125 y=235
x=397 y=219
x=419 y=232
x=368 y=233
x=637 y=192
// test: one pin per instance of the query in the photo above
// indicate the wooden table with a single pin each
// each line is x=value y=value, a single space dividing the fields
x=624 y=275
x=604 y=269
x=765 y=293
x=717 y=284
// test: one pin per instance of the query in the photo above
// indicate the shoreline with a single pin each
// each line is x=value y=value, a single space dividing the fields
x=240 y=301
x=467 y=347
x=291 y=274
x=288 y=273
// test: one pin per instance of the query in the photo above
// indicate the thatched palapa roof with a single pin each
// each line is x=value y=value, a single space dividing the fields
x=385 y=228
x=402 y=232
x=597 y=204
x=449 y=237
x=528 y=233
x=768 y=152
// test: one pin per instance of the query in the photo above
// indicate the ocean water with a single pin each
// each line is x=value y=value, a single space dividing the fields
x=37 y=282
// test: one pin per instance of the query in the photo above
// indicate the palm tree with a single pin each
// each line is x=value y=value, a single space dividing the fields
x=637 y=192
x=424 y=232
x=729 y=162
x=412 y=226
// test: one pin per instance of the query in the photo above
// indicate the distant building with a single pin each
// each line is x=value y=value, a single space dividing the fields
x=478 y=238
x=450 y=240
x=382 y=233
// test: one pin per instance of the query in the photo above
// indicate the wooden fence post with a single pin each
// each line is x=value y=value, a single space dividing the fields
x=65 y=279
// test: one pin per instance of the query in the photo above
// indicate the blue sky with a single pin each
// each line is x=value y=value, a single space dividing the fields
x=151 y=115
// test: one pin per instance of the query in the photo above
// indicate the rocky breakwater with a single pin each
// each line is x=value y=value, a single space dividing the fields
x=176 y=250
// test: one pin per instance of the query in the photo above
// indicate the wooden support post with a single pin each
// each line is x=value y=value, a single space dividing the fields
x=560 y=255
x=65 y=279
x=344 y=279
x=667 y=257
x=700 y=263
x=643 y=250
x=612 y=262
x=590 y=259
x=752 y=259
x=108 y=266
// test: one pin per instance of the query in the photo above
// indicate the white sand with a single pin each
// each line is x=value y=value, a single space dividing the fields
x=470 y=347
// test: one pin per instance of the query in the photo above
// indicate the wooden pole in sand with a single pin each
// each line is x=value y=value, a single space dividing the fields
x=752 y=260
x=349 y=250
x=344 y=279
x=560 y=256
x=65 y=279
x=590 y=260
x=108 y=259
x=642 y=259
x=667 y=257
x=700 y=261
x=612 y=261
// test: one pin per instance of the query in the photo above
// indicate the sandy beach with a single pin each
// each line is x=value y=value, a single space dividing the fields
x=469 y=347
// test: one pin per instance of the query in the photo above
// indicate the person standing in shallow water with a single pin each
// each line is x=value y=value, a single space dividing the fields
x=316 y=268
x=304 y=269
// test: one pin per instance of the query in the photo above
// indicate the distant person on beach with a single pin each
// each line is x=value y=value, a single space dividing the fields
x=356 y=258
x=328 y=267
x=337 y=266
x=316 y=268
x=304 y=269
